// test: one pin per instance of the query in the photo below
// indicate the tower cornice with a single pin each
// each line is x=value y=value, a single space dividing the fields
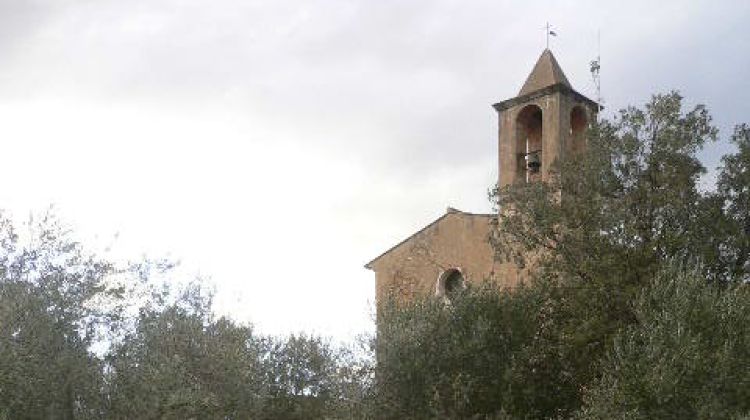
x=558 y=87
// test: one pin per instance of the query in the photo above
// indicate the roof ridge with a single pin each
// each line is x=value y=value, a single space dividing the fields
x=449 y=211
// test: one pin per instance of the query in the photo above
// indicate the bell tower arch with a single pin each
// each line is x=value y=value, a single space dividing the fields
x=528 y=137
x=542 y=125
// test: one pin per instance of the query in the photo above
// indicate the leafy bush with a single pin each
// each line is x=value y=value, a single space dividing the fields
x=452 y=360
x=686 y=356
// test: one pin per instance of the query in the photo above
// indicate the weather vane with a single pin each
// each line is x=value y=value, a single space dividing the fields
x=548 y=31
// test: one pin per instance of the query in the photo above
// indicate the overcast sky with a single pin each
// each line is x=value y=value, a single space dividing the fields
x=277 y=146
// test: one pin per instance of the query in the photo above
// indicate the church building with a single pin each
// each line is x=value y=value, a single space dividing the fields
x=542 y=125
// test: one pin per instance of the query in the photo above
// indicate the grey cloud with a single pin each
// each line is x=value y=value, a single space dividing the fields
x=417 y=78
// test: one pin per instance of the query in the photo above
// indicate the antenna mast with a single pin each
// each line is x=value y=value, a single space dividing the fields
x=596 y=66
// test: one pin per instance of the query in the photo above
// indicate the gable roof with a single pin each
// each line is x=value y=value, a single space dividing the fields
x=448 y=212
x=546 y=72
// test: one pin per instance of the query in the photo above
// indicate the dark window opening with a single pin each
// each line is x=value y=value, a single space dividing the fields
x=454 y=282
x=529 y=143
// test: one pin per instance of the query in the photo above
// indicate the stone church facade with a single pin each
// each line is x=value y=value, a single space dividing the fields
x=543 y=124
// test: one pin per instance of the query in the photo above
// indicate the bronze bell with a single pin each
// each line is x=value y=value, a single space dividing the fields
x=532 y=162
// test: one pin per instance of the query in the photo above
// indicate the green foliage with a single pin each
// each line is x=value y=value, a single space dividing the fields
x=51 y=295
x=494 y=354
x=81 y=338
x=180 y=363
x=451 y=360
x=734 y=192
x=607 y=226
x=627 y=203
x=686 y=356
x=603 y=227
x=608 y=327
x=309 y=378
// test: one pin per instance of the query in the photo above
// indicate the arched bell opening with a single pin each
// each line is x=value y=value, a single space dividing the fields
x=578 y=124
x=529 y=143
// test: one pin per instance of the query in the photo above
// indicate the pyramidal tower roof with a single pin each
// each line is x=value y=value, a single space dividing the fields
x=546 y=73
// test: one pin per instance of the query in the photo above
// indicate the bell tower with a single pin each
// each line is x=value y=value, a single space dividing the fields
x=544 y=124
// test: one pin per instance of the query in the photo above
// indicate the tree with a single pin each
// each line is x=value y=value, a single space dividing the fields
x=84 y=338
x=310 y=378
x=181 y=363
x=54 y=303
x=627 y=203
x=604 y=302
x=685 y=357
x=455 y=361
x=601 y=230
x=605 y=225
x=734 y=192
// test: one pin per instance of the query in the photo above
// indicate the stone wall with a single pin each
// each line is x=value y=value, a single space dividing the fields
x=456 y=240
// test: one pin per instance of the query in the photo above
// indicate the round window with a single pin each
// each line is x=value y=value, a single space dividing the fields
x=450 y=282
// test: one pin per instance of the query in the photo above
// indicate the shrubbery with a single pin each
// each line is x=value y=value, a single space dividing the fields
x=639 y=300
x=81 y=338
x=493 y=354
